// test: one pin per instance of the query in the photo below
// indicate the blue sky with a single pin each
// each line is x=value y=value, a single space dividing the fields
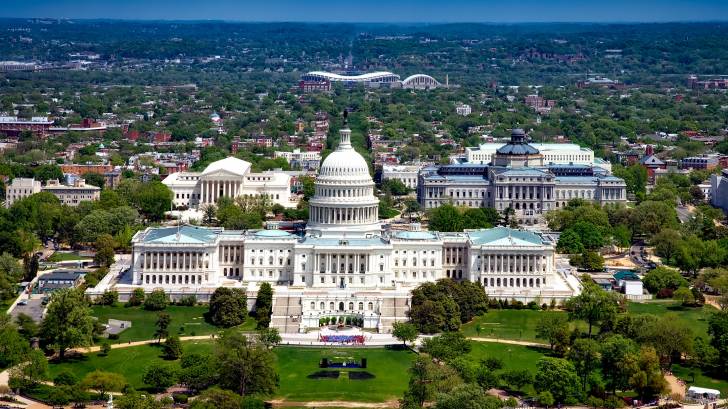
x=496 y=11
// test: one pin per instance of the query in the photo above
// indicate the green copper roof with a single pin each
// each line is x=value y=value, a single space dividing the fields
x=185 y=234
x=504 y=236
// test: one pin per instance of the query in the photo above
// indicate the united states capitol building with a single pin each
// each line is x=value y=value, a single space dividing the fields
x=346 y=264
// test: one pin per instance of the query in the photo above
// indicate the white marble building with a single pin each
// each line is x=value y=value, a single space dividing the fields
x=230 y=177
x=345 y=264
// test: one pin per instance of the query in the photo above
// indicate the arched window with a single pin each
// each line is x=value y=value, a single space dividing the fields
x=313 y=305
x=351 y=306
x=322 y=305
x=370 y=306
x=341 y=306
x=331 y=306
x=361 y=306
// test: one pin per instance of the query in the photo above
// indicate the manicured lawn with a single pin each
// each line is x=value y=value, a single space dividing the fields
x=389 y=368
x=129 y=362
x=701 y=379
x=695 y=318
x=513 y=357
x=186 y=321
x=57 y=256
x=294 y=365
x=510 y=324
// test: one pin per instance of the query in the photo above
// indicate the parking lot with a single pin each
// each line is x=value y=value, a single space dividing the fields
x=33 y=307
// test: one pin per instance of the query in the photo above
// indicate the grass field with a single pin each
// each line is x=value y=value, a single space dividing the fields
x=57 y=256
x=701 y=380
x=389 y=368
x=185 y=321
x=695 y=318
x=513 y=356
x=129 y=362
x=510 y=324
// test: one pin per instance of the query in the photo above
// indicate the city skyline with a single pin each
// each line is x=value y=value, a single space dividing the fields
x=409 y=11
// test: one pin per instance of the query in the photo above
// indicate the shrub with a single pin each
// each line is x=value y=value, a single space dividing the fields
x=136 y=299
x=156 y=301
x=665 y=293
x=187 y=301
x=105 y=348
x=65 y=378
x=108 y=298
x=180 y=398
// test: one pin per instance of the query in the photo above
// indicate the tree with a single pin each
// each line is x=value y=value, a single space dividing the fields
x=248 y=367
x=394 y=187
x=557 y=376
x=198 y=372
x=669 y=336
x=593 y=305
x=264 y=305
x=445 y=218
x=570 y=243
x=718 y=331
x=68 y=322
x=663 y=277
x=648 y=381
x=227 y=307
x=136 y=298
x=684 y=295
x=172 y=347
x=545 y=398
x=446 y=346
x=216 y=398
x=157 y=300
x=13 y=347
x=554 y=328
x=667 y=243
x=622 y=236
x=10 y=273
x=103 y=382
x=517 y=378
x=467 y=396
x=159 y=376
x=30 y=371
x=104 y=247
x=269 y=337
x=162 y=325
x=152 y=199
x=136 y=400
x=585 y=356
x=618 y=361
x=426 y=380
x=404 y=331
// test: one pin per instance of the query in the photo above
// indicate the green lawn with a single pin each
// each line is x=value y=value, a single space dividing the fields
x=57 y=256
x=389 y=368
x=696 y=318
x=129 y=362
x=510 y=324
x=513 y=356
x=701 y=379
x=186 y=321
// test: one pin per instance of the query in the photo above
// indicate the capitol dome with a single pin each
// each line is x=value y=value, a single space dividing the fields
x=344 y=204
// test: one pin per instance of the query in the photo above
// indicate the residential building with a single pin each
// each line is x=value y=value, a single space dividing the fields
x=73 y=194
x=20 y=188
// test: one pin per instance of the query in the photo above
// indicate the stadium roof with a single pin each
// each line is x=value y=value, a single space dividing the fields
x=370 y=76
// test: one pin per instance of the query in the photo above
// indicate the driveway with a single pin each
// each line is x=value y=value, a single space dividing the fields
x=34 y=308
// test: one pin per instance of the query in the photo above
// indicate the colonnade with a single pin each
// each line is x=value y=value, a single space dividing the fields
x=169 y=260
x=344 y=215
x=212 y=190
x=327 y=263
x=511 y=263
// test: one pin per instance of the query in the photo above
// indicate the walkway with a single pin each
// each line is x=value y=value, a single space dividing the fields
x=282 y=403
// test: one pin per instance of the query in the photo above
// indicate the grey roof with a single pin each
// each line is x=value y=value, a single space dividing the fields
x=517 y=149
x=60 y=276
x=651 y=160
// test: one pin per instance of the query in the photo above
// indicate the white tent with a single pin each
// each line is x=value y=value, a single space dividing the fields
x=697 y=392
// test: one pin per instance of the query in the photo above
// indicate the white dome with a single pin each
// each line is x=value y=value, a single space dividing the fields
x=344 y=203
x=345 y=161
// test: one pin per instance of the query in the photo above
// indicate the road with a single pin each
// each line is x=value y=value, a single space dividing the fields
x=683 y=213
